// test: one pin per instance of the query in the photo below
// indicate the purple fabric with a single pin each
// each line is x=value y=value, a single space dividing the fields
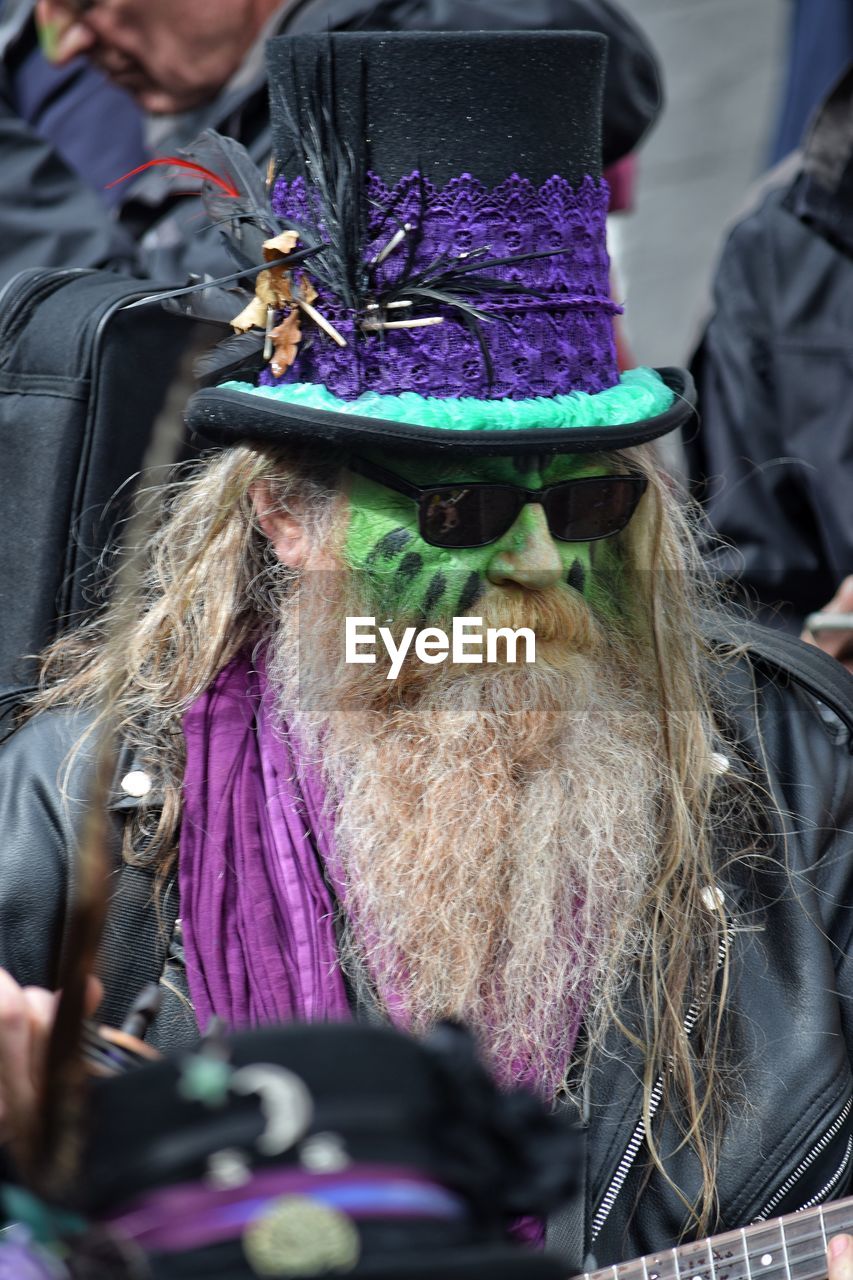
x=192 y=1214
x=19 y=1261
x=258 y=916
x=538 y=346
x=529 y=1231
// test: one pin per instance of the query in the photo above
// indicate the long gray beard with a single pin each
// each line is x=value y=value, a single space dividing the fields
x=495 y=833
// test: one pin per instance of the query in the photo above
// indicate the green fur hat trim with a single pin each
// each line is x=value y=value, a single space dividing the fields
x=640 y=393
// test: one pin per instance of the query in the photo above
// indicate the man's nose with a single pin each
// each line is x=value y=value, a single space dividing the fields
x=528 y=555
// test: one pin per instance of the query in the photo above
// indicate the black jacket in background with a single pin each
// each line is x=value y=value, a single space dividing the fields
x=50 y=217
x=773 y=462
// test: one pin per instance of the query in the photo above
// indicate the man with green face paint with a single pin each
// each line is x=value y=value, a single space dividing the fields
x=621 y=864
x=421 y=579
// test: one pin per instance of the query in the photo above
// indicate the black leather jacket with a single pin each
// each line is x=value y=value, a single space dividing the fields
x=790 y=1022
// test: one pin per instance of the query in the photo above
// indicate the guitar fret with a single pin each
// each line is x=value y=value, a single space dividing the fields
x=659 y=1267
x=654 y=1267
x=838 y=1216
x=804 y=1244
x=784 y=1247
x=745 y=1244
x=710 y=1260
x=764 y=1251
x=822 y=1226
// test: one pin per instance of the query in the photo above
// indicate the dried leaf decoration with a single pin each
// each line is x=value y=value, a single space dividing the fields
x=281 y=245
x=275 y=286
x=277 y=289
x=288 y=332
x=285 y=337
x=253 y=316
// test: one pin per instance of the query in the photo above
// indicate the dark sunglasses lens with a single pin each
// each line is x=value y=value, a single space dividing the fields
x=583 y=510
x=467 y=515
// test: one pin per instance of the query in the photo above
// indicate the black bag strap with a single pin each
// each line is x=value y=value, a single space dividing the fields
x=818 y=673
x=140 y=920
x=137 y=935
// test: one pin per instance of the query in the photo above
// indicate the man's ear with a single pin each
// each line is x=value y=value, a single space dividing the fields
x=285 y=532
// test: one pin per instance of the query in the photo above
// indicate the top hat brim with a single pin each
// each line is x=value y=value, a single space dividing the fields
x=476 y=1262
x=226 y=417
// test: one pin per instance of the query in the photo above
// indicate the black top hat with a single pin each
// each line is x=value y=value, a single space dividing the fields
x=443 y=198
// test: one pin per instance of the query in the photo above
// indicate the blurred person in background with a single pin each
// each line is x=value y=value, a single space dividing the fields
x=66 y=104
x=196 y=65
x=65 y=132
x=773 y=461
x=820 y=44
x=183 y=67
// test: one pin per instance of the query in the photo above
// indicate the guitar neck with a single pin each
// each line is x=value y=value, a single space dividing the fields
x=789 y=1248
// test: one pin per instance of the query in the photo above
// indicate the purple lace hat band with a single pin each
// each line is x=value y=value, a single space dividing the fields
x=549 y=333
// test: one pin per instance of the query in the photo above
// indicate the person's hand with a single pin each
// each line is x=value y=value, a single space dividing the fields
x=837 y=643
x=26 y=1018
x=840 y=1258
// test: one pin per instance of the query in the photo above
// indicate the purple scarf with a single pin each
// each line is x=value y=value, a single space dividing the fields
x=257 y=913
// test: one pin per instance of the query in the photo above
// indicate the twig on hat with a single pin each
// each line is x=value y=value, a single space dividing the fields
x=321 y=320
x=396 y=240
x=420 y=323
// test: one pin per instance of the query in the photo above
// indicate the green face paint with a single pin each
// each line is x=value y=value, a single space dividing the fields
x=408 y=578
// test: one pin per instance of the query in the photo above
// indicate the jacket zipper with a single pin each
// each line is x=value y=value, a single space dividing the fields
x=805 y=1164
x=629 y=1155
x=637 y=1138
x=830 y=1186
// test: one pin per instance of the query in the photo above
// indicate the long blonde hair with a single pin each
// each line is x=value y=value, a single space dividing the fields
x=211 y=585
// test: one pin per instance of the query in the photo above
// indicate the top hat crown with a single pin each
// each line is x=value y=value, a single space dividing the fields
x=448 y=190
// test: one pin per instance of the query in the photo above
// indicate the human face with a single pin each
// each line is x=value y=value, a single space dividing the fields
x=412 y=578
x=170 y=55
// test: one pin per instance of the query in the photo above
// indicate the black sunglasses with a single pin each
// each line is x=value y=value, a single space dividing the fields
x=473 y=515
